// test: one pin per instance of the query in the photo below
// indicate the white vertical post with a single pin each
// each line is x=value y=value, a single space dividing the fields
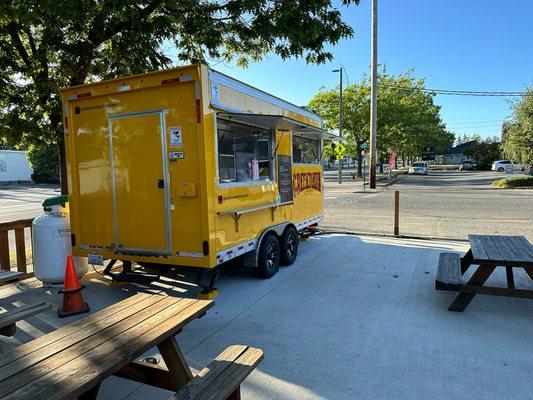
x=340 y=121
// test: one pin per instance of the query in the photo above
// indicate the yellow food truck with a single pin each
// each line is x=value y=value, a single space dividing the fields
x=190 y=167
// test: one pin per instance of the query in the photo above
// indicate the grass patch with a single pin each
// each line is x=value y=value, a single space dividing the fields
x=514 y=183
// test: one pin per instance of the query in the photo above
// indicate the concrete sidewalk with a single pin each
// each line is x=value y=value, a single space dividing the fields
x=354 y=318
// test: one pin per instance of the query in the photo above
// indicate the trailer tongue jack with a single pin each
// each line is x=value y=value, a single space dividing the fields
x=206 y=280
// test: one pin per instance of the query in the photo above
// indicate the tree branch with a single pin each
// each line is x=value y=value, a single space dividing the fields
x=19 y=46
x=114 y=27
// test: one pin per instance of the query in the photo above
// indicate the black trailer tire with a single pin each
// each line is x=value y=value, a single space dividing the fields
x=289 y=245
x=269 y=257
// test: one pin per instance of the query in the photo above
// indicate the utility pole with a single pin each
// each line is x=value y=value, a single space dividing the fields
x=340 y=117
x=373 y=94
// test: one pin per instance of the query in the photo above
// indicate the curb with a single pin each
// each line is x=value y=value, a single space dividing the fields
x=329 y=231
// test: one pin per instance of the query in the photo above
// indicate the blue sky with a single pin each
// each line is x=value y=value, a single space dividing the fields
x=484 y=45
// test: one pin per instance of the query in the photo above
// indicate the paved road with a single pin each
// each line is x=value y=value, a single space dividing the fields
x=446 y=204
x=23 y=201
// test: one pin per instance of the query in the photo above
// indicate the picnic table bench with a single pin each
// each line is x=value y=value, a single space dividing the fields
x=8 y=319
x=72 y=361
x=9 y=276
x=488 y=252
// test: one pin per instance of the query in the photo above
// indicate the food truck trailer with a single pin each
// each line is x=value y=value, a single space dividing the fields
x=189 y=167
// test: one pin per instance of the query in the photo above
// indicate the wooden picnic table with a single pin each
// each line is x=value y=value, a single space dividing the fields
x=72 y=361
x=489 y=252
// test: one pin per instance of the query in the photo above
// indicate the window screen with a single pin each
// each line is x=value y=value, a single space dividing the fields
x=305 y=150
x=244 y=152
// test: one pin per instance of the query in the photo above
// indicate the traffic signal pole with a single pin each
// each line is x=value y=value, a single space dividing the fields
x=373 y=95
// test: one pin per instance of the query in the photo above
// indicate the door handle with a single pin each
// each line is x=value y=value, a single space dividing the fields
x=160 y=183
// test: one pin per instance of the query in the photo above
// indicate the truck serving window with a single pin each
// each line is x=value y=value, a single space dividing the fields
x=244 y=152
x=305 y=150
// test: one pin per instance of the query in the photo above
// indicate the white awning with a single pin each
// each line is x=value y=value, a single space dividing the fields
x=278 y=122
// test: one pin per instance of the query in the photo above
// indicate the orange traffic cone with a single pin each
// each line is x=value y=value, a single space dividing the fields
x=73 y=303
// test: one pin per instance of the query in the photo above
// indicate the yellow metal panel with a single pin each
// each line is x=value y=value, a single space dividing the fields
x=308 y=191
x=138 y=166
x=92 y=216
x=90 y=177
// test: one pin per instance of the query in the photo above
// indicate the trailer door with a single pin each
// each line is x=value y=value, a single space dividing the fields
x=139 y=179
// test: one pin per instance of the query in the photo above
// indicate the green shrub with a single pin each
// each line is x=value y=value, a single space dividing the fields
x=45 y=163
x=512 y=183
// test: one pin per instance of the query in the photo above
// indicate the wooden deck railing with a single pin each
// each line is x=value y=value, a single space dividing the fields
x=20 y=245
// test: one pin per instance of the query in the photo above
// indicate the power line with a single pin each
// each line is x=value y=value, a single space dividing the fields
x=459 y=92
x=473 y=126
x=474 y=120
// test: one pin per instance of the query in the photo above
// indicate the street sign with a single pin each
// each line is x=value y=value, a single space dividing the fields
x=339 y=150
x=428 y=154
x=364 y=146
x=428 y=151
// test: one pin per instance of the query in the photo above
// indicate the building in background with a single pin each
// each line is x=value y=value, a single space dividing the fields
x=14 y=166
x=455 y=154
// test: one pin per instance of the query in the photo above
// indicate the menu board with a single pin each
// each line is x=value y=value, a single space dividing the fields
x=285 y=178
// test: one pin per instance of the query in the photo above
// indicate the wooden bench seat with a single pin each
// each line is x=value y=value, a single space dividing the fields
x=221 y=379
x=8 y=319
x=9 y=276
x=449 y=271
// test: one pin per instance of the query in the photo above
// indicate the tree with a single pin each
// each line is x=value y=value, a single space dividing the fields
x=48 y=44
x=44 y=161
x=517 y=144
x=484 y=152
x=355 y=110
x=468 y=138
x=408 y=119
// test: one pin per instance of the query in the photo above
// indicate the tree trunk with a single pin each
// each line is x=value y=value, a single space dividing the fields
x=63 y=167
x=359 y=162
x=380 y=163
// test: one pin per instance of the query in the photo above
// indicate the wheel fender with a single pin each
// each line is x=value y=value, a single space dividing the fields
x=250 y=259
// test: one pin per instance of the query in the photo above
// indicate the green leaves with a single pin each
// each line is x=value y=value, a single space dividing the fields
x=518 y=134
x=408 y=119
x=48 y=44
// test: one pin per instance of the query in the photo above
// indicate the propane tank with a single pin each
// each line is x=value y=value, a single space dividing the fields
x=51 y=242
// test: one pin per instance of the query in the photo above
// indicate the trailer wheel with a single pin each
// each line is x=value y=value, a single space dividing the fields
x=289 y=245
x=268 y=257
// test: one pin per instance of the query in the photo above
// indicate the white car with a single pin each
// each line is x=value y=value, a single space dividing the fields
x=500 y=165
x=420 y=168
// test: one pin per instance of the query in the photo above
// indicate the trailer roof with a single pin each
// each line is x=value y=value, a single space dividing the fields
x=280 y=122
x=235 y=84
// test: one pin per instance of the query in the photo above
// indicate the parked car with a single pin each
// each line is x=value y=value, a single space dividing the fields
x=418 y=168
x=500 y=165
x=467 y=166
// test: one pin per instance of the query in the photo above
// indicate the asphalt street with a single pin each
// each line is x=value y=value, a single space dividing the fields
x=444 y=204
x=21 y=201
